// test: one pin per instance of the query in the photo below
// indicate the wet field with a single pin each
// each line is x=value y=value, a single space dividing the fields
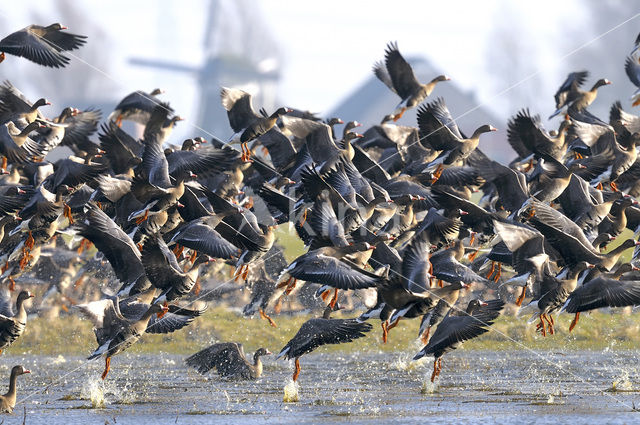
x=475 y=387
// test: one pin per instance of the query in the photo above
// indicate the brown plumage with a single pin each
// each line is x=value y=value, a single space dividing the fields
x=229 y=360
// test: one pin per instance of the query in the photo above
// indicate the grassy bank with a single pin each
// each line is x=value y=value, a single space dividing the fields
x=74 y=336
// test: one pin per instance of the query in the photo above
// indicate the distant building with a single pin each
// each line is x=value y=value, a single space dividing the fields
x=240 y=53
x=373 y=100
x=260 y=81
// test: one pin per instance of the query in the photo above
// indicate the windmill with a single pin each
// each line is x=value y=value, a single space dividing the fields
x=240 y=52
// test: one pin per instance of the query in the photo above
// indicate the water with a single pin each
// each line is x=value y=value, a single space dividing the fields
x=475 y=387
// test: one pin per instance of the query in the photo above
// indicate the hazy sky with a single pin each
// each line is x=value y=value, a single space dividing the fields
x=329 y=47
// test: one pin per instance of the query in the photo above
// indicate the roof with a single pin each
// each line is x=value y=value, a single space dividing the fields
x=373 y=100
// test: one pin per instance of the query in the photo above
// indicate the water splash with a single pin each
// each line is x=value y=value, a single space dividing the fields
x=400 y=363
x=101 y=393
x=58 y=360
x=622 y=382
x=291 y=392
x=405 y=363
x=429 y=387
x=94 y=391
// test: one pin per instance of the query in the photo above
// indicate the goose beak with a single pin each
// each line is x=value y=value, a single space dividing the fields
x=483 y=303
x=30 y=295
x=492 y=128
x=26 y=371
x=268 y=352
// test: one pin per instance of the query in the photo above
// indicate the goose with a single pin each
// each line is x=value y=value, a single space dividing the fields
x=229 y=360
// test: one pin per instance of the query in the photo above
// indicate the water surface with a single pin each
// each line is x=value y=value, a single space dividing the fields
x=475 y=387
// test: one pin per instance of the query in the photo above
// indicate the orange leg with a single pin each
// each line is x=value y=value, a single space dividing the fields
x=197 y=287
x=549 y=323
x=599 y=186
x=472 y=239
x=440 y=283
x=543 y=329
x=161 y=314
x=472 y=255
x=2 y=57
x=266 y=317
x=12 y=284
x=521 y=297
x=67 y=213
x=425 y=335
x=574 y=322
x=297 y=371
x=278 y=307
x=177 y=250
x=283 y=283
x=140 y=246
x=246 y=272
x=529 y=166
x=119 y=120
x=493 y=269
x=30 y=242
x=385 y=331
x=398 y=116
x=498 y=273
x=334 y=300
x=614 y=187
x=193 y=256
x=107 y=367
x=325 y=294
x=304 y=217
x=393 y=325
x=5 y=267
x=24 y=260
x=82 y=246
x=291 y=286
x=78 y=283
x=143 y=218
x=4 y=163
x=437 y=173
x=435 y=370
